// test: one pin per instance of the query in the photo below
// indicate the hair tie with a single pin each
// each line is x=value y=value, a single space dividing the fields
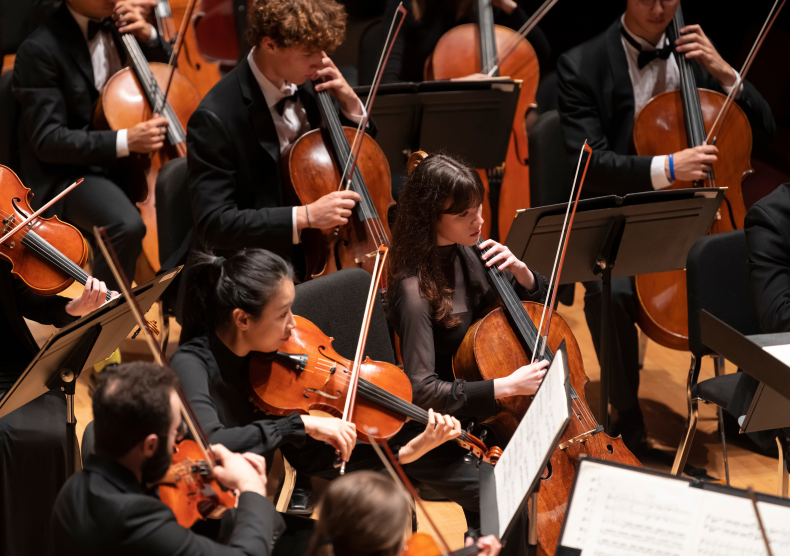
x=217 y=262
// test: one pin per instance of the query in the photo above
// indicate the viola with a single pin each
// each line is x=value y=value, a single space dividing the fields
x=47 y=254
x=308 y=374
x=189 y=488
x=130 y=97
x=470 y=48
x=670 y=122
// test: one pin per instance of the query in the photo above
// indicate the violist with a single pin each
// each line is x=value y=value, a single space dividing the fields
x=603 y=84
x=59 y=72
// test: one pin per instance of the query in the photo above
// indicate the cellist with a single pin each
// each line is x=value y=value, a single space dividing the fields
x=239 y=130
x=58 y=74
x=603 y=84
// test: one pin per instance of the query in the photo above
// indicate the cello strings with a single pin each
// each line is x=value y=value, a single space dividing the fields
x=522 y=33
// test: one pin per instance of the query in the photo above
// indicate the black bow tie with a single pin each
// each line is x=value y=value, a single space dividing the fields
x=95 y=26
x=646 y=56
x=280 y=106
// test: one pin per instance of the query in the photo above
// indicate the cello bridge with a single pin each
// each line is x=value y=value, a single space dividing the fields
x=361 y=260
x=581 y=439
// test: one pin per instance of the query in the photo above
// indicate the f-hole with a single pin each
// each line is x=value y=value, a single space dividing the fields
x=547 y=472
x=14 y=202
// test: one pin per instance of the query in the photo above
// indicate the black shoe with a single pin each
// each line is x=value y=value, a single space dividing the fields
x=631 y=426
x=301 y=502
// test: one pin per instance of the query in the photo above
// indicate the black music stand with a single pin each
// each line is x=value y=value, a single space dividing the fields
x=75 y=347
x=612 y=237
x=521 y=466
x=770 y=407
x=470 y=119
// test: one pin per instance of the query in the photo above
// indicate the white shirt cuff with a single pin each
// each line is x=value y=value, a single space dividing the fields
x=354 y=118
x=738 y=83
x=657 y=174
x=295 y=229
x=121 y=145
x=154 y=34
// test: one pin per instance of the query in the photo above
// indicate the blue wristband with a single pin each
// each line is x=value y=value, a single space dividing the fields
x=671 y=169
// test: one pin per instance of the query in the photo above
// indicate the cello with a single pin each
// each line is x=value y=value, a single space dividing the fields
x=468 y=49
x=668 y=123
x=132 y=96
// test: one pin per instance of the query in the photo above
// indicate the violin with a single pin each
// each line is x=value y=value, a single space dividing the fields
x=468 y=49
x=308 y=374
x=47 y=254
x=673 y=121
x=130 y=97
x=189 y=487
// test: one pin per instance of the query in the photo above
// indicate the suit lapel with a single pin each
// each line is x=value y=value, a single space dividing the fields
x=622 y=89
x=72 y=40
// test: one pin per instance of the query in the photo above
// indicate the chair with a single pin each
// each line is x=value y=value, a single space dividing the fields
x=9 y=123
x=717 y=281
x=174 y=222
x=336 y=304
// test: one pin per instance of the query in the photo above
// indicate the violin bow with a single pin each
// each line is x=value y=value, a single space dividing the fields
x=769 y=21
x=105 y=245
x=176 y=53
x=559 y=258
x=522 y=33
x=356 y=145
x=351 y=395
x=399 y=476
x=33 y=216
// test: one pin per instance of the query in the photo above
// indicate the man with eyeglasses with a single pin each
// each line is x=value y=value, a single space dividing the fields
x=603 y=84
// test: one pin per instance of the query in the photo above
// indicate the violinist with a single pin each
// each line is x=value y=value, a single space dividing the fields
x=366 y=514
x=59 y=73
x=603 y=84
x=107 y=508
x=237 y=134
x=427 y=20
x=32 y=437
x=243 y=304
x=438 y=288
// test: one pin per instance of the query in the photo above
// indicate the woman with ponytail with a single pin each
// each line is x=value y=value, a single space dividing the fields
x=243 y=304
x=367 y=514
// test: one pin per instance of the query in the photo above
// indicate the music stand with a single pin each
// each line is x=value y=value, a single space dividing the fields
x=758 y=356
x=71 y=349
x=613 y=236
x=506 y=488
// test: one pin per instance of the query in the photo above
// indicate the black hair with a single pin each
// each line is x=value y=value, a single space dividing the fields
x=215 y=286
x=131 y=401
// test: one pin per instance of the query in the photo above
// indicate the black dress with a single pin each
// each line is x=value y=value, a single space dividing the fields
x=33 y=437
x=428 y=348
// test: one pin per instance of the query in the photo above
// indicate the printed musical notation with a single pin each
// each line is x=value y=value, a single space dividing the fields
x=619 y=512
x=533 y=440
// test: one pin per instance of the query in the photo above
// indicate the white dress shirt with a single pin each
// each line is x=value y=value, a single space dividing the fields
x=656 y=77
x=106 y=62
x=293 y=122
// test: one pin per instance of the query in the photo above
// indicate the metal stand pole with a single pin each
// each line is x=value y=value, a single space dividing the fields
x=532 y=527
x=606 y=301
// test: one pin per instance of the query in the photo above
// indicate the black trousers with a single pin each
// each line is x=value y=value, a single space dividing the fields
x=32 y=471
x=100 y=202
x=624 y=350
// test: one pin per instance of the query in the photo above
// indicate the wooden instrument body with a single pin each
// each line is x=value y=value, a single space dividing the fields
x=492 y=350
x=188 y=493
x=215 y=31
x=660 y=129
x=122 y=105
x=312 y=170
x=202 y=73
x=40 y=275
x=282 y=389
x=458 y=54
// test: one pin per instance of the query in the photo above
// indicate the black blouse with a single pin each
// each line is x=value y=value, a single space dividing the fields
x=215 y=383
x=428 y=348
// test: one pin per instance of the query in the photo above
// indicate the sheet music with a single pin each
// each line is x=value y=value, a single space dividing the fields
x=782 y=353
x=533 y=440
x=619 y=512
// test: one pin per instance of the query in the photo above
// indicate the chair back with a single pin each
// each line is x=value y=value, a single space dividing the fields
x=173 y=209
x=550 y=177
x=335 y=303
x=718 y=281
x=9 y=123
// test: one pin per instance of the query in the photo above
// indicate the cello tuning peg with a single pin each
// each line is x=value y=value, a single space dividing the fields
x=483 y=434
x=469 y=457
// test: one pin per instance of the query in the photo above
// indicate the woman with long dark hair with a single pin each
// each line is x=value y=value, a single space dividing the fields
x=438 y=287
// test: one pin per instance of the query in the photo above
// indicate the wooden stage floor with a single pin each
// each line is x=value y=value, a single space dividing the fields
x=662 y=397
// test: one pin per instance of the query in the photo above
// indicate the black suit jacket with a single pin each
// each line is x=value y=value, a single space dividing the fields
x=768 y=239
x=103 y=510
x=233 y=165
x=53 y=82
x=596 y=102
